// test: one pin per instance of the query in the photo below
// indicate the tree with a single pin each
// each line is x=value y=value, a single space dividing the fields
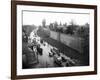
x=72 y=22
x=55 y=26
x=80 y=31
x=83 y=31
x=51 y=26
x=44 y=23
x=60 y=24
x=69 y=30
x=73 y=25
x=65 y=24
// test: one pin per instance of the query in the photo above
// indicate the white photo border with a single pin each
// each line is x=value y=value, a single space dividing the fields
x=21 y=71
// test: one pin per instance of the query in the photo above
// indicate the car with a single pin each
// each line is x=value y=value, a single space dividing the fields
x=57 y=59
x=51 y=54
x=55 y=51
x=63 y=61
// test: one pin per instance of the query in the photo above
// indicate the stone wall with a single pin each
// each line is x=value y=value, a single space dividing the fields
x=71 y=41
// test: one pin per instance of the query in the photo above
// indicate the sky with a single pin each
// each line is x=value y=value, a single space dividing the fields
x=35 y=17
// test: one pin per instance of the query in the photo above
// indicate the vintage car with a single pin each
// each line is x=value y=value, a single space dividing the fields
x=57 y=59
x=51 y=54
x=63 y=61
x=55 y=51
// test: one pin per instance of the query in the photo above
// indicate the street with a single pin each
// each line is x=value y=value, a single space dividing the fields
x=45 y=60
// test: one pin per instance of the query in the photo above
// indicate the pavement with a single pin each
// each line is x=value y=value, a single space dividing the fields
x=44 y=59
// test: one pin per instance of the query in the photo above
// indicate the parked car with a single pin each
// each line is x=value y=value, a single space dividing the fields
x=63 y=61
x=51 y=54
x=55 y=51
x=57 y=59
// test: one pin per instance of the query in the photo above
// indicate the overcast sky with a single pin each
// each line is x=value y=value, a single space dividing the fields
x=33 y=17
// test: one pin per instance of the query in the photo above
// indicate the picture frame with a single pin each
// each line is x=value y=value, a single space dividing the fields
x=19 y=12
